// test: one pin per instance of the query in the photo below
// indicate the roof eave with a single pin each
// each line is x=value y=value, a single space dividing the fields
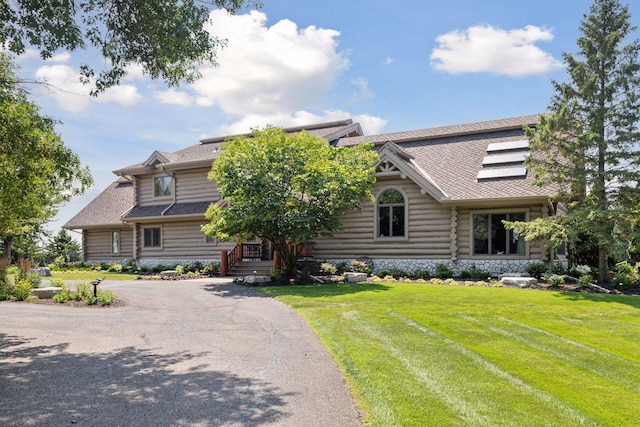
x=497 y=201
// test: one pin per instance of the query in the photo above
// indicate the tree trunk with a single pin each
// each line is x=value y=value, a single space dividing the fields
x=603 y=265
x=7 y=242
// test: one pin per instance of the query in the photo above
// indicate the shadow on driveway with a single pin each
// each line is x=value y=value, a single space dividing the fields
x=47 y=385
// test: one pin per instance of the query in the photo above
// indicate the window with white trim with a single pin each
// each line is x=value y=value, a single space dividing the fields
x=152 y=237
x=115 y=242
x=491 y=238
x=391 y=214
x=162 y=186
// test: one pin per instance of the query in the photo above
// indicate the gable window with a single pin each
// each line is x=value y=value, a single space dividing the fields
x=162 y=186
x=115 y=242
x=491 y=238
x=152 y=237
x=391 y=214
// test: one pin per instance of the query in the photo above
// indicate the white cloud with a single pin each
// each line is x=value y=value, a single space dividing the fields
x=388 y=61
x=484 y=48
x=264 y=69
x=60 y=57
x=73 y=96
x=28 y=54
x=363 y=89
x=126 y=95
x=174 y=97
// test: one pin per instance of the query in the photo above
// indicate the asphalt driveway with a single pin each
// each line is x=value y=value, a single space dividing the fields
x=197 y=353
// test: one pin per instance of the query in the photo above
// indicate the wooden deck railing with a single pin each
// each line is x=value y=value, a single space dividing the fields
x=244 y=250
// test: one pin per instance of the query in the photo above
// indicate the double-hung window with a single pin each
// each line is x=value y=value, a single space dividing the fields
x=162 y=186
x=152 y=237
x=391 y=214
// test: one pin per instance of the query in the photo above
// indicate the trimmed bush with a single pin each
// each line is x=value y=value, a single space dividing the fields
x=443 y=271
x=22 y=290
x=536 y=269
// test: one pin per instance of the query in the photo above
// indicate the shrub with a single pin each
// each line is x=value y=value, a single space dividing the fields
x=179 y=270
x=536 y=269
x=465 y=274
x=580 y=270
x=114 y=268
x=158 y=268
x=57 y=283
x=22 y=290
x=397 y=272
x=328 y=268
x=626 y=276
x=211 y=268
x=585 y=280
x=443 y=271
x=130 y=265
x=555 y=279
x=422 y=273
x=96 y=266
x=558 y=268
x=64 y=295
x=341 y=267
x=436 y=281
x=84 y=292
x=360 y=267
x=106 y=297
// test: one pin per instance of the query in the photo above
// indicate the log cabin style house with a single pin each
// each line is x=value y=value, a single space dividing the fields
x=440 y=198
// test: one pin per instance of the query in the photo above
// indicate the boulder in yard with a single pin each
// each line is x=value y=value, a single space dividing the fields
x=355 y=277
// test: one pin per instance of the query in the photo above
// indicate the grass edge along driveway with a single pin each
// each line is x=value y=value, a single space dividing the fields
x=429 y=355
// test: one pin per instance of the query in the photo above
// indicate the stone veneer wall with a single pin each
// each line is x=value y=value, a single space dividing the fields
x=151 y=262
x=493 y=266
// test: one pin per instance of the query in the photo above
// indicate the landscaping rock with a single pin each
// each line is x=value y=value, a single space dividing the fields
x=43 y=271
x=355 y=277
x=253 y=279
x=168 y=273
x=521 y=282
x=45 y=293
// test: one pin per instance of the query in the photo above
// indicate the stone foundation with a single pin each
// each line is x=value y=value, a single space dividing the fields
x=493 y=266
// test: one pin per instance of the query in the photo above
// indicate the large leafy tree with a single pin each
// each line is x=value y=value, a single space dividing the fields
x=168 y=38
x=287 y=188
x=37 y=172
x=590 y=137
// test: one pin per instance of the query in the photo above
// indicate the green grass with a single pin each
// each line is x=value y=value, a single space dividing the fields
x=91 y=275
x=426 y=355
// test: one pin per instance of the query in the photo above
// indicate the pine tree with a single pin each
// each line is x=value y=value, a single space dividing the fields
x=590 y=136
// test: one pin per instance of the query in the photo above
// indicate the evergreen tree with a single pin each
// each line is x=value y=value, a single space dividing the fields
x=589 y=138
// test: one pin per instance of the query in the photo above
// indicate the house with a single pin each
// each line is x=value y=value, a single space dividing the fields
x=440 y=197
x=154 y=211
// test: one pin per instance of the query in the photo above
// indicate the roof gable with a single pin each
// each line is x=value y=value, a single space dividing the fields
x=395 y=161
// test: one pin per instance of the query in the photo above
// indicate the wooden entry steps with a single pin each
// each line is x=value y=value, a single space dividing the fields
x=245 y=268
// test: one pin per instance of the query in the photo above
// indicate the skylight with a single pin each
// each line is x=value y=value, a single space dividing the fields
x=502 y=173
x=509 y=145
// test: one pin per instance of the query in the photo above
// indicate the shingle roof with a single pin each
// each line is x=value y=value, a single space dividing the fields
x=438 y=132
x=189 y=208
x=107 y=208
x=318 y=129
x=452 y=156
x=209 y=149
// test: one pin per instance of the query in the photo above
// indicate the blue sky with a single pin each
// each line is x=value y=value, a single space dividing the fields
x=392 y=66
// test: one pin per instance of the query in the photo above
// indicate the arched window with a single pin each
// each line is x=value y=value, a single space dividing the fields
x=391 y=214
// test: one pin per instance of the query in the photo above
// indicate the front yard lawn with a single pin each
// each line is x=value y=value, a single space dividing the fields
x=428 y=355
x=91 y=275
